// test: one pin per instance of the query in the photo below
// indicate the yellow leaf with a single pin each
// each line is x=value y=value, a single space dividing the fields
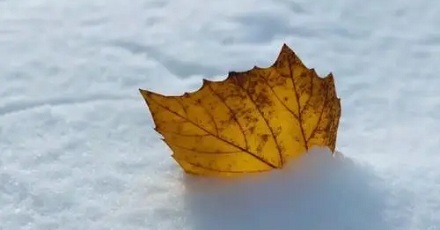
x=252 y=121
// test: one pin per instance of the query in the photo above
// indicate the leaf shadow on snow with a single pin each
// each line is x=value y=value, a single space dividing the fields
x=317 y=192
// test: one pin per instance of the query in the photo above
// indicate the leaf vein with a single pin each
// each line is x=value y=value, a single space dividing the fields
x=219 y=138
x=184 y=134
x=222 y=100
x=320 y=116
x=298 y=103
x=274 y=93
x=204 y=152
x=263 y=117
x=211 y=117
x=310 y=96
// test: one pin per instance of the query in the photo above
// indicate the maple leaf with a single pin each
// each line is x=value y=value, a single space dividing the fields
x=253 y=121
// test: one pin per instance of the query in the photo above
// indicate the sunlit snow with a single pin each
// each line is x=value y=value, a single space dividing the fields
x=77 y=146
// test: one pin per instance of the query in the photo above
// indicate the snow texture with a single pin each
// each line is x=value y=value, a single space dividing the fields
x=77 y=146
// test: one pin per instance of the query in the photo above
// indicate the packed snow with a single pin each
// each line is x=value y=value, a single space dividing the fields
x=78 y=149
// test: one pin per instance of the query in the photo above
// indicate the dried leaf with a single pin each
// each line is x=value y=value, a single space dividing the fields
x=252 y=121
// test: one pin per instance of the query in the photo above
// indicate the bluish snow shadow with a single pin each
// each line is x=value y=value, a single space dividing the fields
x=317 y=192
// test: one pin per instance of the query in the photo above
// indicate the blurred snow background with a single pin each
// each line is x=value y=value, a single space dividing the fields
x=77 y=149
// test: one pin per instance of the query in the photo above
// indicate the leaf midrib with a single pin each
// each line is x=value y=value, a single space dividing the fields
x=219 y=138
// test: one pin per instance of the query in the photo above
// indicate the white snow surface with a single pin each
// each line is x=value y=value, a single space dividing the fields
x=77 y=146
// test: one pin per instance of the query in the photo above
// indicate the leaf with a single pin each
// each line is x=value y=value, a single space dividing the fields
x=253 y=121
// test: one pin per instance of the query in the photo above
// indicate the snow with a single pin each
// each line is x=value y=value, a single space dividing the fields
x=318 y=192
x=77 y=149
